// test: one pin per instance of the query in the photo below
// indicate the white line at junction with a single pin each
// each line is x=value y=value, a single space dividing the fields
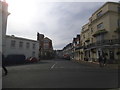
x=53 y=65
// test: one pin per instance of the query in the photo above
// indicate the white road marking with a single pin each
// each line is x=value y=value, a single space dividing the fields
x=53 y=65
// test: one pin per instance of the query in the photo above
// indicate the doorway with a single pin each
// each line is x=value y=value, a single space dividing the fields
x=111 y=56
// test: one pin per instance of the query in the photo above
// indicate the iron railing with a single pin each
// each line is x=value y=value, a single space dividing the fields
x=103 y=43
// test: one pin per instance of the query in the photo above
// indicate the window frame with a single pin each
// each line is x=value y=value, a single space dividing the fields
x=20 y=44
x=13 y=43
x=100 y=26
x=99 y=13
x=34 y=45
x=27 y=45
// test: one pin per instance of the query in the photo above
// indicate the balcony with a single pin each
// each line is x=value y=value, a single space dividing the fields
x=80 y=47
x=99 y=32
x=103 y=43
x=87 y=40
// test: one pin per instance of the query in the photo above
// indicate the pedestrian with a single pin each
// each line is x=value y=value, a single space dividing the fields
x=100 y=59
x=4 y=68
x=3 y=65
x=104 y=60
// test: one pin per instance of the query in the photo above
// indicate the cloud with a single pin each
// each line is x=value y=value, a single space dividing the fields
x=60 y=21
x=67 y=20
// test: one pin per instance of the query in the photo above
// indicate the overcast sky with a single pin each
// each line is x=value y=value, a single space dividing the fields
x=59 y=21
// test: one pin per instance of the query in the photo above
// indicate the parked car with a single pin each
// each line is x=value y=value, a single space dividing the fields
x=66 y=56
x=31 y=60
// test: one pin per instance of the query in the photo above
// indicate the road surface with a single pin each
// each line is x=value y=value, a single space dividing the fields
x=59 y=73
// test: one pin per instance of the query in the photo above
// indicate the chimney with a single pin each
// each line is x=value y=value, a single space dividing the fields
x=37 y=36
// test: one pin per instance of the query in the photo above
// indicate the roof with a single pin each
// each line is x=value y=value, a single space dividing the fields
x=20 y=38
x=47 y=38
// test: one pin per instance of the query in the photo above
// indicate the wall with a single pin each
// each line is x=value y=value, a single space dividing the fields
x=17 y=50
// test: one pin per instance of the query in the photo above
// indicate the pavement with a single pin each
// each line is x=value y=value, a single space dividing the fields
x=96 y=64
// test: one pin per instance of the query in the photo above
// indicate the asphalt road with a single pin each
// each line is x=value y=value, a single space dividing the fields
x=59 y=74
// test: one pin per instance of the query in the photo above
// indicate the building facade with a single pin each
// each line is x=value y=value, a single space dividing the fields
x=85 y=38
x=75 y=48
x=101 y=35
x=40 y=38
x=21 y=46
x=59 y=54
x=67 y=51
x=46 y=47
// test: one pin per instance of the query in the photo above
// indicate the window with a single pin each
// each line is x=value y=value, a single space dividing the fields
x=20 y=44
x=27 y=45
x=83 y=36
x=100 y=26
x=33 y=46
x=46 y=41
x=83 y=29
x=100 y=37
x=91 y=30
x=33 y=54
x=77 y=42
x=13 y=43
x=84 y=43
x=46 y=46
x=99 y=14
x=73 y=44
x=91 y=40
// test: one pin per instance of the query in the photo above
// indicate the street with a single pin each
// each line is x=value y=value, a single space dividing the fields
x=59 y=73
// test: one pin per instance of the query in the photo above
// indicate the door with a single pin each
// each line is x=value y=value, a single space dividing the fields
x=111 y=56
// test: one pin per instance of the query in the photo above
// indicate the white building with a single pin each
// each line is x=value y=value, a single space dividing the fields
x=21 y=46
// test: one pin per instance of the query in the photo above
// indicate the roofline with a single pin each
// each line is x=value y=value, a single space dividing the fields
x=47 y=38
x=103 y=6
x=21 y=38
x=85 y=24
